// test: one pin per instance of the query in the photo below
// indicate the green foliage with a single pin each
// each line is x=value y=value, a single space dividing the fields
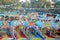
x=1 y=10
x=7 y=1
x=41 y=4
x=57 y=4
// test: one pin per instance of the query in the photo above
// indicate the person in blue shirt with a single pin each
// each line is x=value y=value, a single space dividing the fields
x=59 y=24
x=46 y=18
x=39 y=23
x=53 y=25
x=25 y=24
x=13 y=26
x=12 y=23
x=1 y=23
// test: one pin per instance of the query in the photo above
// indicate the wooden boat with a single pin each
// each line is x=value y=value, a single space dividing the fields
x=52 y=33
x=20 y=34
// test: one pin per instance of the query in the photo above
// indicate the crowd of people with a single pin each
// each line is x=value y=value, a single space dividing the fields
x=10 y=25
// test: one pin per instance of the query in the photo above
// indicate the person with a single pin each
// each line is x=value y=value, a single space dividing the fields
x=46 y=23
x=17 y=21
x=47 y=33
x=12 y=23
x=58 y=24
x=32 y=30
x=46 y=18
x=53 y=25
x=2 y=17
x=1 y=23
x=25 y=24
x=39 y=23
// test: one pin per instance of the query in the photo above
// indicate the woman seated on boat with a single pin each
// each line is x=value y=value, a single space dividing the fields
x=39 y=24
x=47 y=32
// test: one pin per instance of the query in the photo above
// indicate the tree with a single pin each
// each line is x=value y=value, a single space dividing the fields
x=57 y=4
x=41 y=4
x=46 y=4
x=1 y=1
x=8 y=1
x=25 y=4
x=1 y=10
